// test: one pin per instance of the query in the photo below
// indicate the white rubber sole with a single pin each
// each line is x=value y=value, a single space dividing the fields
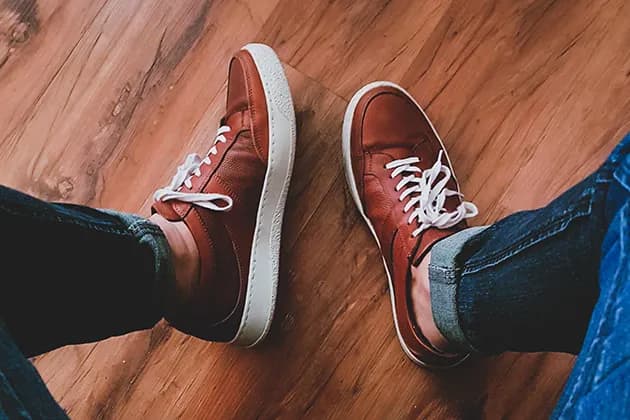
x=347 y=158
x=262 y=285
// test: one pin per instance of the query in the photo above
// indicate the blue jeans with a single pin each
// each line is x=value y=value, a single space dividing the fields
x=79 y=275
x=553 y=279
x=72 y=275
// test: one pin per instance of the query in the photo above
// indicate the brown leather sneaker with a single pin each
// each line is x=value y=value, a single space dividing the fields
x=402 y=182
x=232 y=200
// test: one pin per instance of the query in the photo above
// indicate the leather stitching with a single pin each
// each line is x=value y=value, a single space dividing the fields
x=252 y=111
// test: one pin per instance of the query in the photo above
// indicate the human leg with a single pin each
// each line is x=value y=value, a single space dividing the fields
x=530 y=281
x=75 y=274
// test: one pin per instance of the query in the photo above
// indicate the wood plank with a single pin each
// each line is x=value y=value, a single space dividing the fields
x=494 y=76
x=101 y=100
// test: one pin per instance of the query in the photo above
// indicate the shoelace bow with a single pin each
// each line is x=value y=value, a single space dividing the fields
x=192 y=167
x=428 y=194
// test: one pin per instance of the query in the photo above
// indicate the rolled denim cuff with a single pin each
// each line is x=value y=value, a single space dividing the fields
x=444 y=275
x=149 y=234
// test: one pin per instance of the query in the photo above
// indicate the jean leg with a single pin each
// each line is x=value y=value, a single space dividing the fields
x=530 y=281
x=599 y=385
x=22 y=391
x=74 y=274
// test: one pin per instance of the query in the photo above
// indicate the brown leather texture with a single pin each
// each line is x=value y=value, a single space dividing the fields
x=212 y=307
x=387 y=125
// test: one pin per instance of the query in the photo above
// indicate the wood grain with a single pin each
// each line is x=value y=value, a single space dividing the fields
x=100 y=100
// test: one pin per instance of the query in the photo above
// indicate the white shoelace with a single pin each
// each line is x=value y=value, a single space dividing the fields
x=192 y=167
x=428 y=194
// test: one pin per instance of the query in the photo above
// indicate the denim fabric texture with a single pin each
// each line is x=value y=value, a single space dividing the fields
x=444 y=274
x=91 y=274
x=539 y=280
x=529 y=282
x=599 y=385
x=23 y=394
x=72 y=275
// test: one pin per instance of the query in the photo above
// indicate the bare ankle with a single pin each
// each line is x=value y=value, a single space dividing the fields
x=421 y=302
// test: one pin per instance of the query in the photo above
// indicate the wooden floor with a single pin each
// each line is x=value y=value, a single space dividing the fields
x=101 y=99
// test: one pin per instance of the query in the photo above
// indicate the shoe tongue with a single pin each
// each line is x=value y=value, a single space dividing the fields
x=397 y=152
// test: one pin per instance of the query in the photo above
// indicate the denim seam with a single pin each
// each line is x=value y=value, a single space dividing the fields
x=143 y=227
x=579 y=378
x=550 y=229
x=452 y=280
x=10 y=392
x=444 y=276
x=605 y=174
x=469 y=342
x=623 y=180
x=451 y=273
x=148 y=233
